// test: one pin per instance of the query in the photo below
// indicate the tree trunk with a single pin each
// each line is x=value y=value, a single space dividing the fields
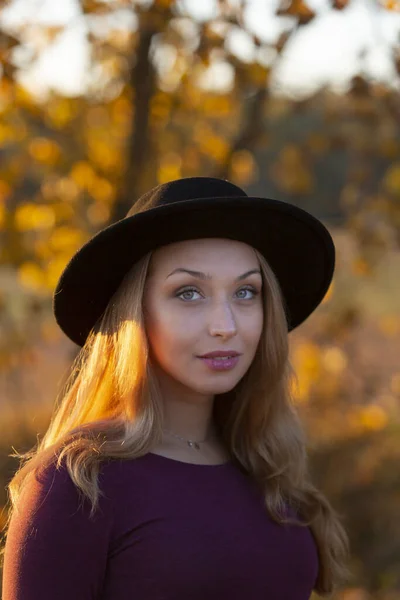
x=142 y=83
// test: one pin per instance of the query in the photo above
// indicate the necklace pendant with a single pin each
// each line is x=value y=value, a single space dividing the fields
x=194 y=444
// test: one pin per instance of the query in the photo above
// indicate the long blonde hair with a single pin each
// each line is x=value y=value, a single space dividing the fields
x=111 y=408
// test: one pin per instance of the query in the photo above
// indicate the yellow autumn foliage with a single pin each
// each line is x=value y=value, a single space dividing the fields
x=373 y=417
x=218 y=105
x=307 y=357
x=66 y=188
x=53 y=270
x=328 y=386
x=102 y=190
x=42 y=249
x=63 y=211
x=334 y=360
x=5 y=190
x=301 y=389
x=170 y=167
x=63 y=188
x=390 y=325
x=392 y=5
x=60 y=112
x=191 y=160
x=31 y=276
x=102 y=154
x=44 y=150
x=6 y=133
x=50 y=331
x=98 y=214
x=391 y=180
x=83 y=174
x=291 y=173
x=360 y=267
x=209 y=143
x=165 y=3
x=66 y=239
x=29 y=216
x=43 y=279
x=243 y=167
x=258 y=74
x=389 y=147
x=307 y=363
x=160 y=106
x=121 y=111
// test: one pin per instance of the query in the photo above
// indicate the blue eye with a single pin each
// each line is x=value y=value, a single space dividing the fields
x=192 y=289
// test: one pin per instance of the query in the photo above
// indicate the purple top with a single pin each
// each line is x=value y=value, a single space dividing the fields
x=167 y=530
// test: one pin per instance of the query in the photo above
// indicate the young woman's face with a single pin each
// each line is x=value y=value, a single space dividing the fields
x=188 y=316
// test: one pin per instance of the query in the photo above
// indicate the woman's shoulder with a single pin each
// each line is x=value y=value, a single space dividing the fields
x=53 y=487
x=51 y=526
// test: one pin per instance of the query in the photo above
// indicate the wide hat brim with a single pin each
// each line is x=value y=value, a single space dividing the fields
x=297 y=246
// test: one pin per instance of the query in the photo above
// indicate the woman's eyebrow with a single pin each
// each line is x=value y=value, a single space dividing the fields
x=203 y=276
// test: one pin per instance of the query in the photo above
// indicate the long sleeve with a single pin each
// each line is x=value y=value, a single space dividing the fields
x=52 y=548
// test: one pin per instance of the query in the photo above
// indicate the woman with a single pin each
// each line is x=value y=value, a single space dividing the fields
x=165 y=474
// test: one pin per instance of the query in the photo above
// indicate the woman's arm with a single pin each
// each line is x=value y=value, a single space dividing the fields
x=52 y=548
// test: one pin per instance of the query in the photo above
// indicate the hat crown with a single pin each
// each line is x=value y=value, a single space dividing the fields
x=189 y=188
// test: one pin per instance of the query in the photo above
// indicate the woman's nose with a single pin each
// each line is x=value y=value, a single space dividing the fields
x=222 y=320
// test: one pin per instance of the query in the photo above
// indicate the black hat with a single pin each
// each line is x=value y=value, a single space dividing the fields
x=296 y=245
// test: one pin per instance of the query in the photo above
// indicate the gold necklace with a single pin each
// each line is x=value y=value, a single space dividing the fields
x=190 y=443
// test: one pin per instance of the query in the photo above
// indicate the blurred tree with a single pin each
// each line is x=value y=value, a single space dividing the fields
x=168 y=97
x=152 y=81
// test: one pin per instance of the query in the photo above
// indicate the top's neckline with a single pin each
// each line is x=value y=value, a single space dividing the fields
x=182 y=462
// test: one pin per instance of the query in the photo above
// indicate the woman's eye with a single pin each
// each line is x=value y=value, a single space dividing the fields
x=243 y=297
x=187 y=291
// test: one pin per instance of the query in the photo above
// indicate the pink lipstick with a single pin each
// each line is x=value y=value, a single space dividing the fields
x=220 y=364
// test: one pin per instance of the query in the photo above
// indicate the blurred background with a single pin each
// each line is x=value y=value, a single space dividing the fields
x=295 y=100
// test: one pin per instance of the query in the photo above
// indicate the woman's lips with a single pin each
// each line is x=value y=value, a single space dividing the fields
x=221 y=364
